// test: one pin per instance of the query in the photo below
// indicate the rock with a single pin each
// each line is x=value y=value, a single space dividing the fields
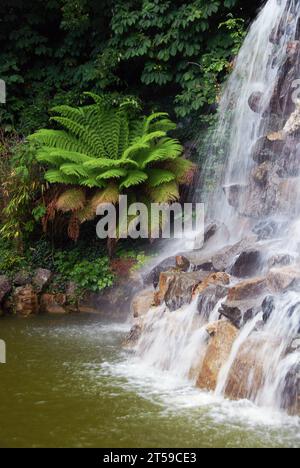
x=217 y=279
x=41 y=279
x=280 y=260
x=280 y=279
x=248 y=263
x=210 y=231
x=222 y=336
x=134 y=335
x=53 y=303
x=269 y=229
x=266 y=150
x=234 y=193
x=22 y=278
x=240 y=312
x=5 y=287
x=268 y=306
x=209 y=298
x=255 y=101
x=247 y=374
x=260 y=174
x=142 y=302
x=182 y=263
x=295 y=345
x=25 y=301
x=248 y=289
x=291 y=391
x=177 y=289
x=153 y=276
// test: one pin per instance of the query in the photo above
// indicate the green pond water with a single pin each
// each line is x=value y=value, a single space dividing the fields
x=68 y=383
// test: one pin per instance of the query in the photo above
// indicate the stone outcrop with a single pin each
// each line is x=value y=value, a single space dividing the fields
x=142 y=302
x=53 y=304
x=5 y=287
x=25 y=301
x=41 y=279
x=222 y=335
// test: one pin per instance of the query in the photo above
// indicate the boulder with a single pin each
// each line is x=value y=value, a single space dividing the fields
x=248 y=289
x=142 y=302
x=261 y=173
x=21 y=278
x=266 y=150
x=25 y=301
x=216 y=279
x=5 y=287
x=176 y=289
x=240 y=312
x=248 y=263
x=291 y=391
x=280 y=260
x=247 y=374
x=41 y=279
x=280 y=279
x=209 y=298
x=134 y=335
x=53 y=303
x=295 y=345
x=153 y=277
x=222 y=335
x=255 y=101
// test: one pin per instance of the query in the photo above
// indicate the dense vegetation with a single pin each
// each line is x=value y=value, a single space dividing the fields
x=141 y=61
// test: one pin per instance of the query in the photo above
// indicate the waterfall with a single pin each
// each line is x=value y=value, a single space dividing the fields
x=252 y=161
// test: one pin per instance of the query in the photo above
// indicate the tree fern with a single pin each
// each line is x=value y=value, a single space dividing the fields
x=105 y=151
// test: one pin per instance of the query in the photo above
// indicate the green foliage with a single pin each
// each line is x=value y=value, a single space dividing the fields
x=21 y=185
x=10 y=259
x=89 y=275
x=151 y=48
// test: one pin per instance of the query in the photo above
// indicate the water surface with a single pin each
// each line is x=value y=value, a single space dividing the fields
x=68 y=383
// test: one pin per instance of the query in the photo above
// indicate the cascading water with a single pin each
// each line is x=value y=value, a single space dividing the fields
x=258 y=116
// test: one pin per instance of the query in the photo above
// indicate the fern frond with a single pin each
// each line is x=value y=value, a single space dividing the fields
x=158 y=177
x=71 y=200
x=57 y=177
x=112 y=174
x=134 y=178
x=74 y=170
x=183 y=169
x=165 y=193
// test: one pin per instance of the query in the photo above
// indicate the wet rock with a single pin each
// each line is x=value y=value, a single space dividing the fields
x=5 y=287
x=247 y=264
x=280 y=279
x=268 y=229
x=291 y=391
x=295 y=345
x=209 y=298
x=142 y=302
x=268 y=306
x=255 y=101
x=182 y=263
x=153 y=276
x=240 y=312
x=247 y=374
x=234 y=193
x=216 y=279
x=266 y=150
x=25 y=301
x=222 y=335
x=53 y=304
x=21 y=278
x=41 y=279
x=210 y=231
x=134 y=335
x=178 y=288
x=261 y=173
x=248 y=289
x=280 y=260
